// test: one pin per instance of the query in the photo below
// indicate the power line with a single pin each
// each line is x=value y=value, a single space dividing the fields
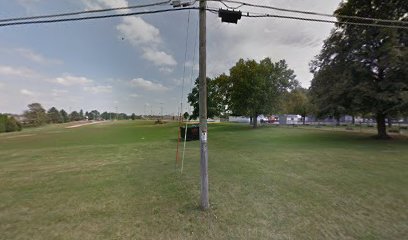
x=241 y=4
x=97 y=17
x=84 y=12
x=266 y=15
x=212 y=10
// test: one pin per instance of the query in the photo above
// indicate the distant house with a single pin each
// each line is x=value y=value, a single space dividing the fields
x=242 y=119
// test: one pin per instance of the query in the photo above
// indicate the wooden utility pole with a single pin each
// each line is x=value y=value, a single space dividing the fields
x=203 y=107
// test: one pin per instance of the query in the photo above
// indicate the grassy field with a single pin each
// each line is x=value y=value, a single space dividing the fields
x=118 y=181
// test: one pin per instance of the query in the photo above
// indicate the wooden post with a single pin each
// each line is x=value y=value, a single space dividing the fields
x=203 y=108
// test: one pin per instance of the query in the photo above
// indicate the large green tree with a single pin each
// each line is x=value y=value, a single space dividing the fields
x=258 y=88
x=215 y=105
x=364 y=69
x=35 y=115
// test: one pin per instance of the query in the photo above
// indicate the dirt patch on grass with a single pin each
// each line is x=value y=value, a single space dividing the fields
x=83 y=124
x=18 y=136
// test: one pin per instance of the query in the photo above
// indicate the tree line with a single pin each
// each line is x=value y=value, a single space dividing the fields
x=360 y=71
x=36 y=116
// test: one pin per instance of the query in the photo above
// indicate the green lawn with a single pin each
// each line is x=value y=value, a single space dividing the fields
x=118 y=181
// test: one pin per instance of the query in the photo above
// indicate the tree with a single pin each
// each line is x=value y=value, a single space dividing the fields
x=298 y=102
x=105 y=115
x=64 y=116
x=186 y=115
x=214 y=105
x=123 y=116
x=94 y=115
x=12 y=125
x=365 y=69
x=54 y=116
x=3 y=123
x=81 y=114
x=74 y=116
x=258 y=88
x=35 y=115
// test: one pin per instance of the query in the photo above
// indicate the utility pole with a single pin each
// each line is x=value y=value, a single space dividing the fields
x=203 y=107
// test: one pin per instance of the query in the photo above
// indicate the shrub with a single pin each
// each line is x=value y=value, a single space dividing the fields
x=3 y=122
x=9 y=124
x=12 y=125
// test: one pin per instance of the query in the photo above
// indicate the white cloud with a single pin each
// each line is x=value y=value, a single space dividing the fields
x=167 y=70
x=134 y=95
x=159 y=58
x=17 y=72
x=28 y=5
x=58 y=92
x=98 y=89
x=189 y=64
x=69 y=80
x=27 y=92
x=138 y=32
x=2 y=85
x=99 y=4
x=36 y=57
x=147 y=85
x=295 y=41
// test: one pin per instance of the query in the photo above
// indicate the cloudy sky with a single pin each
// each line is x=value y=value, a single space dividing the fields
x=136 y=64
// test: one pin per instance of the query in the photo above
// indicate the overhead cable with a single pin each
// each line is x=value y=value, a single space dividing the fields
x=84 y=12
x=212 y=10
x=241 y=4
x=96 y=17
x=266 y=15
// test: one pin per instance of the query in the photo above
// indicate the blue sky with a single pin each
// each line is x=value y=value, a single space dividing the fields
x=136 y=63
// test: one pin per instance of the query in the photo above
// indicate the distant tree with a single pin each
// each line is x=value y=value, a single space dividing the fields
x=74 y=116
x=123 y=116
x=133 y=116
x=64 y=116
x=3 y=123
x=54 y=116
x=298 y=102
x=364 y=69
x=105 y=115
x=186 y=115
x=35 y=115
x=81 y=114
x=94 y=115
x=9 y=124
x=13 y=125
x=258 y=88
x=213 y=102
